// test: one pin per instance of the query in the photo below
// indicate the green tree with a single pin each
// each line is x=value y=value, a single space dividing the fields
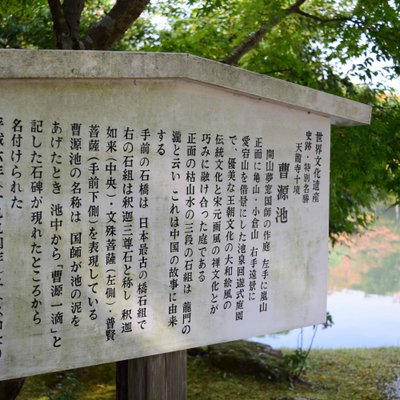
x=30 y=23
x=305 y=41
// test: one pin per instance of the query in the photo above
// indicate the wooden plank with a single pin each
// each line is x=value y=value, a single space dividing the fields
x=156 y=377
x=176 y=375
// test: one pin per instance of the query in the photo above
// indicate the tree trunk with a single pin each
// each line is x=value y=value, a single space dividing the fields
x=66 y=21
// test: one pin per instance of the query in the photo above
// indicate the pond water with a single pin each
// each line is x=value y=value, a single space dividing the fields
x=360 y=320
x=364 y=293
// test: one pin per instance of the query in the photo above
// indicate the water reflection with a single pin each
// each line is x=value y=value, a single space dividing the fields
x=364 y=286
x=361 y=320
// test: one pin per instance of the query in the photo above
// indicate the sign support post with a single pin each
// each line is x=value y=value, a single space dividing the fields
x=162 y=376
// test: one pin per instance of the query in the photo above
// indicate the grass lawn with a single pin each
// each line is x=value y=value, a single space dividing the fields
x=355 y=374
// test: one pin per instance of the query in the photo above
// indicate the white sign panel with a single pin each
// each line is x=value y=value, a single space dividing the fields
x=141 y=217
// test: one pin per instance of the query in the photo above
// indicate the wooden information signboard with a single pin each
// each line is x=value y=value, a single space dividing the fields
x=155 y=202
